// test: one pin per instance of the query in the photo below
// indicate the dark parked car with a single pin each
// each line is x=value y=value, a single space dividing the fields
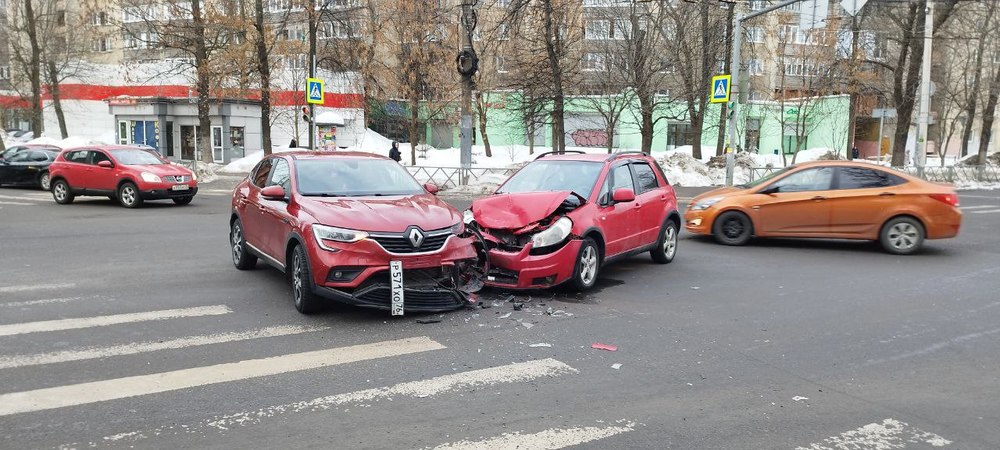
x=27 y=166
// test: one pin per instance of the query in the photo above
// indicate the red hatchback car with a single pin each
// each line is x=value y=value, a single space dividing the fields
x=352 y=227
x=127 y=174
x=562 y=217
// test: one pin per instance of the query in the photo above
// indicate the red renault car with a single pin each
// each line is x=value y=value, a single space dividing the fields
x=353 y=227
x=562 y=217
x=130 y=175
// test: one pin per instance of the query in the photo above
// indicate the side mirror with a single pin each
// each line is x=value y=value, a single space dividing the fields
x=273 y=193
x=431 y=188
x=623 y=195
x=105 y=164
x=771 y=190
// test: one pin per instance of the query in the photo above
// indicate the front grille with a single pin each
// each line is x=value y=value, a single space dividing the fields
x=422 y=289
x=400 y=243
x=176 y=178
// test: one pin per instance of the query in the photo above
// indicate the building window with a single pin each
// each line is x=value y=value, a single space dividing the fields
x=501 y=64
x=102 y=45
x=335 y=30
x=293 y=33
x=293 y=62
x=755 y=67
x=593 y=62
x=755 y=35
x=596 y=29
x=4 y=72
x=99 y=18
x=757 y=5
x=61 y=18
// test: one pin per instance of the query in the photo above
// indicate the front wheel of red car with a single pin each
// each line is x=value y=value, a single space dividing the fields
x=306 y=302
x=241 y=257
x=61 y=192
x=588 y=264
x=129 y=196
x=666 y=246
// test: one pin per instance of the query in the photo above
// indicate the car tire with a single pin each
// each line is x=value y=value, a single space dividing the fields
x=587 y=267
x=732 y=228
x=902 y=235
x=242 y=258
x=666 y=245
x=184 y=200
x=306 y=302
x=129 y=196
x=44 y=182
x=62 y=193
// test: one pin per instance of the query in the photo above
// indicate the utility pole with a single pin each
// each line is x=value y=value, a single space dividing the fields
x=925 y=88
x=313 y=19
x=467 y=64
x=721 y=142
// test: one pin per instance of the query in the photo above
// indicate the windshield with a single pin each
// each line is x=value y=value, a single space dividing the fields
x=349 y=177
x=766 y=178
x=136 y=157
x=540 y=176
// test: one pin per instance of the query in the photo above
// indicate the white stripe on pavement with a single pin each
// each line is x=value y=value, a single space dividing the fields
x=34 y=287
x=102 y=321
x=100 y=391
x=989 y=211
x=26 y=197
x=977 y=207
x=890 y=433
x=2 y=202
x=552 y=438
x=7 y=362
x=40 y=302
x=463 y=381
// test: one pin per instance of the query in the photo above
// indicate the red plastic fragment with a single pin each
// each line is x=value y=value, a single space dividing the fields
x=610 y=348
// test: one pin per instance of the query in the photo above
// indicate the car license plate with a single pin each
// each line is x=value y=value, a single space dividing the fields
x=181 y=187
x=396 y=278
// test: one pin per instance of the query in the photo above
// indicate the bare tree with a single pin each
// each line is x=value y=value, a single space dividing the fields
x=26 y=50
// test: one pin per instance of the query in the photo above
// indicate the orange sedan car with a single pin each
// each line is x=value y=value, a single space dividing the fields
x=830 y=199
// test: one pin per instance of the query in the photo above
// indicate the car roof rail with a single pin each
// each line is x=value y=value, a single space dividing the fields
x=559 y=153
x=625 y=153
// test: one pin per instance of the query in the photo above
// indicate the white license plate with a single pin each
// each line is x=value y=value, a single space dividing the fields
x=396 y=278
x=180 y=187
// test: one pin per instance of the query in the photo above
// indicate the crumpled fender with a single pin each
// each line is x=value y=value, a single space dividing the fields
x=516 y=211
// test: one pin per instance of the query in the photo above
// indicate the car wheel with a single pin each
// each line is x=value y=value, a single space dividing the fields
x=241 y=256
x=306 y=302
x=44 y=182
x=588 y=264
x=183 y=200
x=61 y=192
x=128 y=195
x=902 y=236
x=666 y=246
x=732 y=228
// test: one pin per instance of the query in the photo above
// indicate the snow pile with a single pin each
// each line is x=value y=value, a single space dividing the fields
x=70 y=142
x=815 y=154
x=485 y=184
x=992 y=159
x=243 y=165
x=682 y=169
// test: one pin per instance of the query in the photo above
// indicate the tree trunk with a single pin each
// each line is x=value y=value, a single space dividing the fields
x=203 y=84
x=558 y=130
x=852 y=114
x=904 y=92
x=57 y=98
x=646 y=128
x=35 y=69
x=264 y=69
x=989 y=114
x=697 y=121
x=482 y=109
x=414 y=128
x=610 y=131
x=977 y=76
x=558 y=101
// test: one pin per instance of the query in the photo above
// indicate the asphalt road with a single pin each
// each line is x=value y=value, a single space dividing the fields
x=131 y=328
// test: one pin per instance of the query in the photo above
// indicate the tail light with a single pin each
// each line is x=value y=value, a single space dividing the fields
x=950 y=199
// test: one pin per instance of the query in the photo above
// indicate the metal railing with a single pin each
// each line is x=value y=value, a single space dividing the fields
x=451 y=177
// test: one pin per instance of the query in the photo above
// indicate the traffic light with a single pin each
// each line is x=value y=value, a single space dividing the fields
x=305 y=114
x=731 y=109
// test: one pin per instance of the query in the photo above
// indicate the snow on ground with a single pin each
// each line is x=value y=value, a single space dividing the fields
x=70 y=142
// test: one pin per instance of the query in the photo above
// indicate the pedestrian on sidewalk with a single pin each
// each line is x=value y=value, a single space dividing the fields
x=854 y=152
x=394 y=152
x=293 y=144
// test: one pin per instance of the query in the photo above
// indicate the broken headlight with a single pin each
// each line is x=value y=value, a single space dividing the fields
x=554 y=234
x=468 y=217
x=458 y=229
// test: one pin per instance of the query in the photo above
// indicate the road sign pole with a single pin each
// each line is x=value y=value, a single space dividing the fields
x=920 y=158
x=734 y=96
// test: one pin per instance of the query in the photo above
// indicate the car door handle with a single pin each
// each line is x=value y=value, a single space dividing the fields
x=887 y=194
x=819 y=198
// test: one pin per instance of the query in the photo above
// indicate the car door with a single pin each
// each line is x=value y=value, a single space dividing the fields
x=275 y=220
x=76 y=171
x=252 y=214
x=102 y=179
x=860 y=200
x=14 y=167
x=652 y=200
x=618 y=221
x=798 y=205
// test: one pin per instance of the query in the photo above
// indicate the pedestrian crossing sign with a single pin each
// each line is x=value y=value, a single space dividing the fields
x=314 y=91
x=720 y=88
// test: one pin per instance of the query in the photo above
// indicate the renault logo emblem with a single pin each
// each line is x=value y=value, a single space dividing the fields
x=416 y=237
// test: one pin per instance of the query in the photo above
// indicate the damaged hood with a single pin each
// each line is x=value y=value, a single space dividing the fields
x=382 y=214
x=514 y=211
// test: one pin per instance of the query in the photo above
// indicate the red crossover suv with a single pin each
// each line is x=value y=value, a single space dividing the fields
x=128 y=174
x=355 y=228
x=562 y=217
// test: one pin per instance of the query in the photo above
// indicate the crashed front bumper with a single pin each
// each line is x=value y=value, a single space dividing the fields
x=522 y=270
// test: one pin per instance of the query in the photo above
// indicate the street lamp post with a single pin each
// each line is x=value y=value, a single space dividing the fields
x=315 y=15
x=467 y=64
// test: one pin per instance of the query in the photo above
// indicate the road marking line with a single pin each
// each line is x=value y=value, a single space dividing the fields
x=16 y=203
x=34 y=287
x=12 y=361
x=100 y=391
x=40 y=302
x=552 y=438
x=511 y=373
x=102 y=321
x=988 y=211
x=977 y=207
x=890 y=433
x=936 y=347
x=26 y=197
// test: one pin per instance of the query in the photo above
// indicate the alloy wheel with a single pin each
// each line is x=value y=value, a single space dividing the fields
x=60 y=191
x=44 y=182
x=670 y=242
x=237 y=241
x=588 y=265
x=297 y=271
x=128 y=195
x=733 y=228
x=903 y=236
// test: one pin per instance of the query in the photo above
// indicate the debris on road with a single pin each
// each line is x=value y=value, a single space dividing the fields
x=798 y=398
x=527 y=325
x=695 y=288
x=426 y=321
x=610 y=348
x=616 y=366
x=518 y=306
x=541 y=344
x=505 y=316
